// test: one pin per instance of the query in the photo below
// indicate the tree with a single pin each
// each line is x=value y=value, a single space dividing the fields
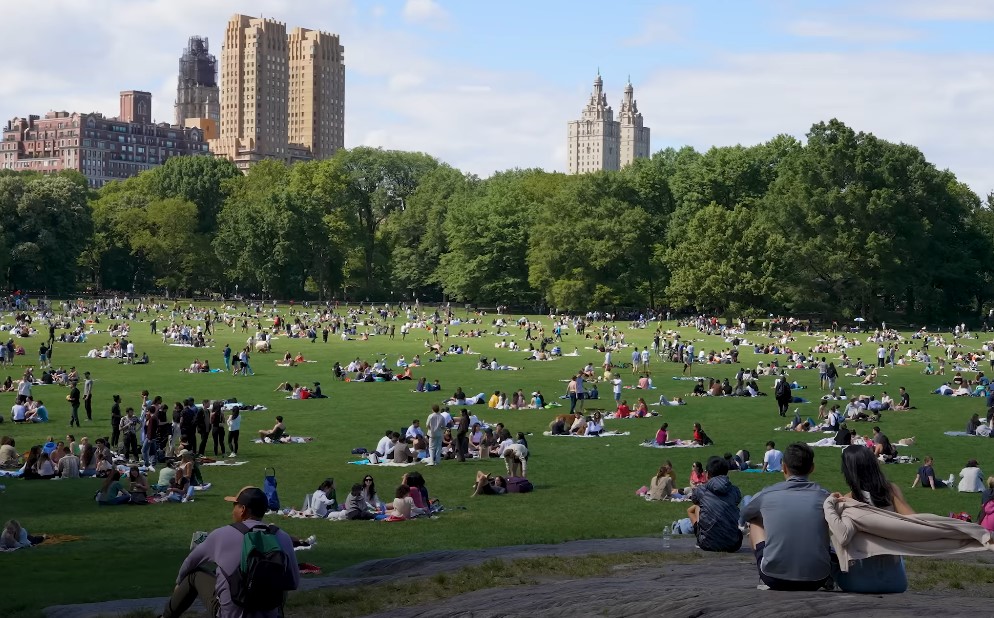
x=488 y=235
x=199 y=179
x=45 y=223
x=727 y=262
x=165 y=234
x=417 y=233
x=378 y=183
x=593 y=244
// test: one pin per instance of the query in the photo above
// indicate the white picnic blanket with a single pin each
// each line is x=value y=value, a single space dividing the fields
x=676 y=444
x=603 y=434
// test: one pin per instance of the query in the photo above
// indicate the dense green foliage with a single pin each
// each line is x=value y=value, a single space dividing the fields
x=841 y=224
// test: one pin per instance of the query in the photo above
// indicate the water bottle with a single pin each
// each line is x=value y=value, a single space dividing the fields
x=667 y=536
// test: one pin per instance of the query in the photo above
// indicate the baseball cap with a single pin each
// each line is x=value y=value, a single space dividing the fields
x=251 y=498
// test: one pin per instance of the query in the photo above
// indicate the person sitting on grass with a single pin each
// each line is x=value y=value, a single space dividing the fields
x=971 y=478
x=8 y=451
x=700 y=437
x=926 y=476
x=489 y=485
x=791 y=545
x=14 y=536
x=356 y=506
x=403 y=505
x=112 y=492
x=882 y=445
x=662 y=486
x=324 y=499
x=986 y=515
x=715 y=513
x=274 y=434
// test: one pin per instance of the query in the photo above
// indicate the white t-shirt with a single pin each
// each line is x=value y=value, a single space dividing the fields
x=17 y=412
x=320 y=503
x=773 y=460
x=383 y=447
x=616 y=386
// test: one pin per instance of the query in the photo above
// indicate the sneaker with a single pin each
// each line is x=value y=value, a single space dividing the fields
x=762 y=587
x=230 y=455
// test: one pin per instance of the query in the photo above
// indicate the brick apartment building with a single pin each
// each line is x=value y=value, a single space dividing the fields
x=102 y=149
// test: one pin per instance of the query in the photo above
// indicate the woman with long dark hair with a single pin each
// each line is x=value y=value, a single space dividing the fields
x=234 y=430
x=867 y=484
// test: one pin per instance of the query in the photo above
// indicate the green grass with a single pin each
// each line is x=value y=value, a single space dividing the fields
x=585 y=488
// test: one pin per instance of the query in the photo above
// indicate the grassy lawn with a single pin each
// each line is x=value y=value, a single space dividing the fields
x=585 y=488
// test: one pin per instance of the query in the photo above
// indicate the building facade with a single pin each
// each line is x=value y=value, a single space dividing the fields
x=282 y=96
x=197 y=94
x=317 y=92
x=102 y=149
x=599 y=142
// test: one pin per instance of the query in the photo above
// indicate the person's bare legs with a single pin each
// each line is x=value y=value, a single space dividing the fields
x=481 y=481
x=757 y=534
x=694 y=513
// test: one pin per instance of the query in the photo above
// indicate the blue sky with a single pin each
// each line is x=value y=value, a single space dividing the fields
x=486 y=86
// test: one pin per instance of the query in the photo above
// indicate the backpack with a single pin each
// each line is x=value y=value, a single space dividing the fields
x=518 y=485
x=260 y=581
x=783 y=390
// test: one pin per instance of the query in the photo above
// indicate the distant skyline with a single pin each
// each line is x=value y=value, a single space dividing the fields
x=490 y=86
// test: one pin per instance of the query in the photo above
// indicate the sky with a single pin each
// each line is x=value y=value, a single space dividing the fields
x=487 y=86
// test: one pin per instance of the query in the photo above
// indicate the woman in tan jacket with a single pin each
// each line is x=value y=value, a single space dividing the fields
x=868 y=485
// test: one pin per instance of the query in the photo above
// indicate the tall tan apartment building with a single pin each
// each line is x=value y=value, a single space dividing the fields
x=317 y=92
x=599 y=142
x=282 y=97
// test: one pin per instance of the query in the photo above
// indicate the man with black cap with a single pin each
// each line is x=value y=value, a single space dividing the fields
x=207 y=570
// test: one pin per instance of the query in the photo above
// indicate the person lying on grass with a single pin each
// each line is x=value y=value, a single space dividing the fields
x=489 y=485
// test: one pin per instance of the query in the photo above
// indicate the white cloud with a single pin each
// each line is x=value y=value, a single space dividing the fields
x=852 y=32
x=939 y=103
x=400 y=95
x=425 y=11
x=662 y=24
x=946 y=10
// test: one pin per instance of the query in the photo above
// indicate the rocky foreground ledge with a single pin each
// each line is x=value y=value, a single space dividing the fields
x=718 y=585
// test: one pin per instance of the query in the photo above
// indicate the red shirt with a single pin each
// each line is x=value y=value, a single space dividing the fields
x=623 y=411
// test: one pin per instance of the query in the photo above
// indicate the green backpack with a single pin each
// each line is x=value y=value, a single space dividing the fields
x=260 y=582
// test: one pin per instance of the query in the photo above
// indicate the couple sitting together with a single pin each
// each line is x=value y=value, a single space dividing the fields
x=793 y=526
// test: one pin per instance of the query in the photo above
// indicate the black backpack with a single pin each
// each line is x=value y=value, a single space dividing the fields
x=260 y=581
x=782 y=390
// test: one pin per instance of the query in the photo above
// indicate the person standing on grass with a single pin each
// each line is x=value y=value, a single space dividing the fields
x=88 y=395
x=227 y=357
x=198 y=577
x=436 y=429
x=462 y=439
x=150 y=432
x=234 y=430
x=129 y=428
x=787 y=529
x=73 y=399
x=217 y=427
x=115 y=421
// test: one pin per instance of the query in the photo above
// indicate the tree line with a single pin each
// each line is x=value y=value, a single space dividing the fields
x=843 y=223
